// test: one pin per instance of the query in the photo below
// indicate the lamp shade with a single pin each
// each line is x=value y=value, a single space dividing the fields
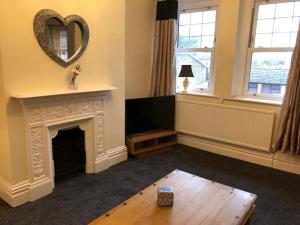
x=186 y=71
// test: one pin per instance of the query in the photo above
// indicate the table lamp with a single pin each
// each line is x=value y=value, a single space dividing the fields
x=186 y=71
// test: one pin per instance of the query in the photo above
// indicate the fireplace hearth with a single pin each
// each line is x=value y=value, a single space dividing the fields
x=68 y=152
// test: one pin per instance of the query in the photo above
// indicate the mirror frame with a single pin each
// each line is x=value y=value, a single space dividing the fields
x=39 y=27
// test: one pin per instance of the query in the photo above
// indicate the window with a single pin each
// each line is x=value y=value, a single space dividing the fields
x=274 y=31
x=196 y=41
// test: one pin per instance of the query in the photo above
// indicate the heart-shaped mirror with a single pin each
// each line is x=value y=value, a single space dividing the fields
x=62 y=39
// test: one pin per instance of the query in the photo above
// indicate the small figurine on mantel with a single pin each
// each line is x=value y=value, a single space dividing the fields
x=75 y=72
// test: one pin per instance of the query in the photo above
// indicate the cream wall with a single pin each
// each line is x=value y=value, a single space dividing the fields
x=5 y=159
x=139 y=31
x=226 y=34
x=27 y=69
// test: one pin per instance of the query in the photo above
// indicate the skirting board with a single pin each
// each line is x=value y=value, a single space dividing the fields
x=26 y=191
x=264 y=159
x=117 y=155
x=286 y=166
x=113 y=156
x=14 y=195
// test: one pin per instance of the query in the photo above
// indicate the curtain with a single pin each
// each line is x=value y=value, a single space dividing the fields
x=163 y=74
x=288 y=133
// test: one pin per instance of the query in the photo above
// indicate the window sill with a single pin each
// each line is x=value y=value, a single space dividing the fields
x=201 y=94
x=259 y=100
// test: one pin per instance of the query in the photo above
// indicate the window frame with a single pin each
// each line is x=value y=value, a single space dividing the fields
x=201 y=8
x=252 y=49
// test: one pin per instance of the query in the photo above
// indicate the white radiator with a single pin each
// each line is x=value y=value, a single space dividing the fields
x=229 y=124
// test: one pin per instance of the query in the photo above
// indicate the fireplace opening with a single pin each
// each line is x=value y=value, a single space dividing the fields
x=68 y=152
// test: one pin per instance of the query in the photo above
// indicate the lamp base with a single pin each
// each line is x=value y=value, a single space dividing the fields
x=185 y=84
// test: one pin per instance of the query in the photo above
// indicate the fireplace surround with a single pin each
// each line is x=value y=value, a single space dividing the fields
x=44 y=116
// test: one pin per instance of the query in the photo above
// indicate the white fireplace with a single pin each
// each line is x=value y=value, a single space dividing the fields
x=45 y=115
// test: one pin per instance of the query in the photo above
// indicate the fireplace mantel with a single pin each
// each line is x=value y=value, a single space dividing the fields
x=62 y=92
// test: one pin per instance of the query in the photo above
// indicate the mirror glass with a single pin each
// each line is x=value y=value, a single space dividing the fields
x=64 y=41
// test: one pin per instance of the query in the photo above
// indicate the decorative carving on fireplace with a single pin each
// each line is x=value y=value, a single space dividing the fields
x=99 y=136
x=35 y=116
x=53 y=112
x=48 y=114
x=37 y=154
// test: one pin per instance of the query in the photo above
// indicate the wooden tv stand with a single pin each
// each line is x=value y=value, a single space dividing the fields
x=150 y=142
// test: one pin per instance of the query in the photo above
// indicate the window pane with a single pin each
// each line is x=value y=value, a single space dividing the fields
x=184 y=42
x=275 y=89
x=196 y=17
x=295 y=25
x=297 y=9
x=266 y=89
x=281 y=40
x=263 y=40
x=264 y=26
x=278 y=22
x=282 y=25
x=293 y=40
x=271 y=88
x=269 y=68
x=208 y=29
x=196 y=26
x=184 y=19
x=184 y=31
x=284 y=9
x=196 y=30
x=209 y=16
x=195 y=42
x=200 y=62
x=207 y=41
x=266 y=11
x=253 y=88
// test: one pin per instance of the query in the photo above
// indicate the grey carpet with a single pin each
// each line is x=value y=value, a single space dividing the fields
x=82 y=198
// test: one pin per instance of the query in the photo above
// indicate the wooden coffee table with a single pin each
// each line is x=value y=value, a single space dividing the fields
x=197 y=201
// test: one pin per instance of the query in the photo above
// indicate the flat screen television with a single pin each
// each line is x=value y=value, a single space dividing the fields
x=149 y=114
